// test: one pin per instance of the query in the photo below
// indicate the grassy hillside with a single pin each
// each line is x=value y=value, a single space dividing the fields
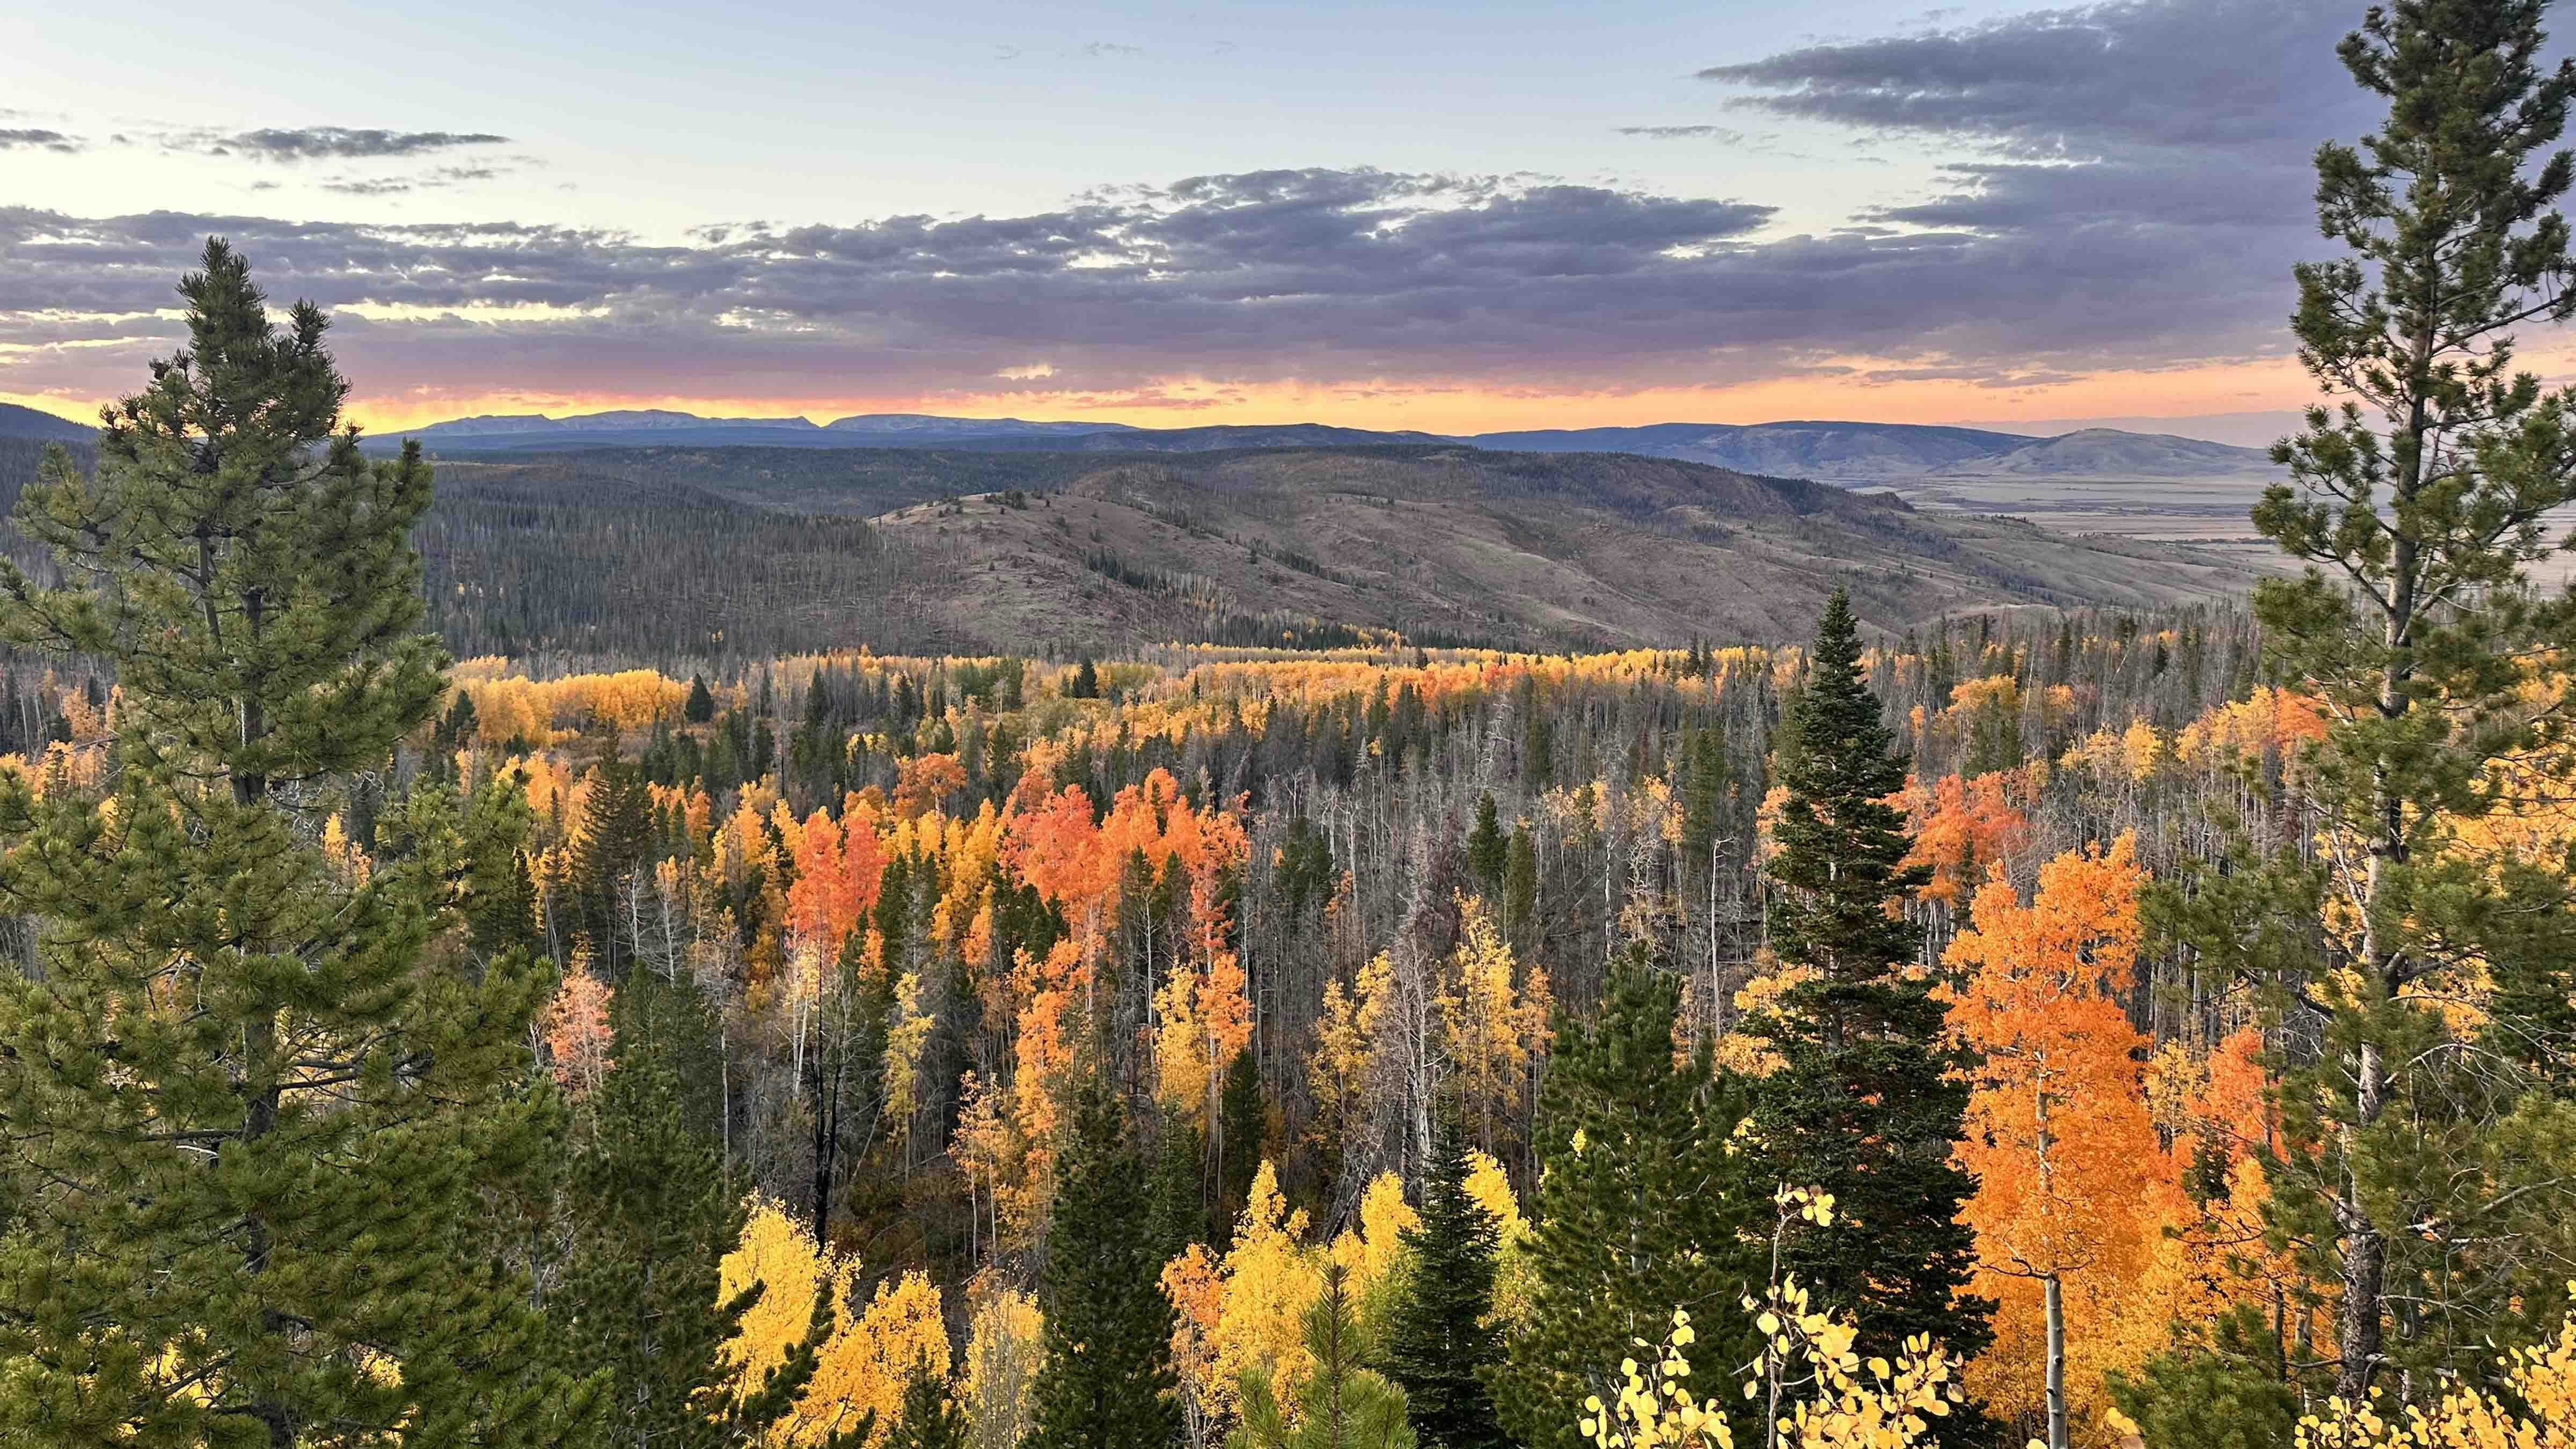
x=676 y=553
x=1519 y=550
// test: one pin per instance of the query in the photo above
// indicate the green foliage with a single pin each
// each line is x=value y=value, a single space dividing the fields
x=660 y=1209
x=1243 y=1127
x=1867 y=1102
x=1339 y=1405
x=251 y=1098
x=2212 y=1393
x=1487 y=851
x=701 y=705
x=1640 y=1207
x=930 y=1417
x=2417 y=506
x=1438 y=1345
x=1107 y=1380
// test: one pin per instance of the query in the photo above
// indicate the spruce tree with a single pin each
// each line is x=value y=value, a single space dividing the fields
x=1487 y=850
x=247 y=1099
x=1107 y=1379
x=1438 y=1343
x=931 y=1417
x=1242 y=1125
x=701 y=705
x=1865 y=1102
x=612 y=845
x=2420 y=1178
x=660 y=1209
x=1640 y=1208
x=1339 y=1404
x=1520 y=885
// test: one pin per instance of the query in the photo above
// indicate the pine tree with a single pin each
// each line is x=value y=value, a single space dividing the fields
x=1520 y=885
x=1438 y=1343
x=931 y=1417
x=249 y=1100
x=1339 y=1405
x=1865 y=1103
x=1640 y=1207
x=612 y=844
x=643 y=1298
x=1107 y=1380
x=701 y=706
x=1243 y=1125
x=1487 y=850
x=2416 y=506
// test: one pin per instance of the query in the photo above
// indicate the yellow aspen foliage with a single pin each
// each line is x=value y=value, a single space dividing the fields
x=905 y=1038
x=1514 y=1276
x=1005 y=1343
x=1495 y=1022
x=2537 y=1411
x=777 y=1252
x=862 y=1367
x=1809 y=1389
x=1270 y=1276
x=1373 y=1249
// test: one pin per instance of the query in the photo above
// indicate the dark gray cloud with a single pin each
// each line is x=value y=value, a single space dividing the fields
x=39 y=140
x=2099 y=80
x=324 y=143
x=2130 y=193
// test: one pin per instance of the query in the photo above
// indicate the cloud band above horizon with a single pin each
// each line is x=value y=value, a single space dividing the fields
x=2125 y=202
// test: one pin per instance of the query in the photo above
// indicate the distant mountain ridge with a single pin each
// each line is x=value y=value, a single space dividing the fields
x=2111 y=453
x=44 y=427
x=1861 y=454
x=659 y=427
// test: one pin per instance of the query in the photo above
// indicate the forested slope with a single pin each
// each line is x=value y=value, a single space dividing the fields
x=729 y=553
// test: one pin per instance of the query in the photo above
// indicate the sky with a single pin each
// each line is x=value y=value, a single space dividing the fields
x=1458 y=216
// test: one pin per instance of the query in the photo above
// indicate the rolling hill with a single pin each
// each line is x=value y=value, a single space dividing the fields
x=1849 y=453
x=1837 y=452
x=688 y=553
x=1470 y=546
x=2111 y=453
x=42 y=427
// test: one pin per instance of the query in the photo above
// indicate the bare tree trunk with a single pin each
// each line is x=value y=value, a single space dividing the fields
x=2053 y=1296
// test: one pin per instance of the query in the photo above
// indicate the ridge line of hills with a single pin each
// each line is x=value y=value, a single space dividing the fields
x=1843 y=452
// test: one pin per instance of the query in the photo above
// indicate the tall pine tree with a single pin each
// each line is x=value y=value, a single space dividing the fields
x=643 y=1297
x=1865 y=1103
x=247 y=1097
x=2420 y=1182
x=1640 y=1208
x=1107 y=1379
x=1439 y=1345
x=1338 y=1403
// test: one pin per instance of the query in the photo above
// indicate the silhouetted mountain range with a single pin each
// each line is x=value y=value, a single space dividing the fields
x=18 y=422
x=1850 y=453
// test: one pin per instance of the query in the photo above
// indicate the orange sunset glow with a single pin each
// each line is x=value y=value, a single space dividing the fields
x=2179 y=392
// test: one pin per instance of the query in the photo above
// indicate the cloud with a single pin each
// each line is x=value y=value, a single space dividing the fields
x=37 y=140
x=1111 y=50
x=444 y=176
x=1680 y=133
x=2117 y=202
x=318 y=143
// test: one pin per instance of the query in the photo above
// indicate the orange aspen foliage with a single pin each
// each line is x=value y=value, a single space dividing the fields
x=1961 y=827
x=926 y=781
x=577 y=1033
x=839 y=866
x=2074 y=1185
